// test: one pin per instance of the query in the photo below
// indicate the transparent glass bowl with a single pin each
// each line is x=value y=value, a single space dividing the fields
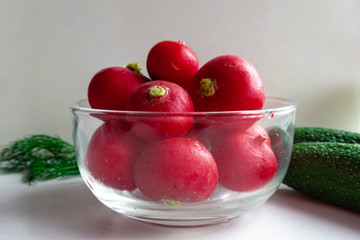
x=277 y=117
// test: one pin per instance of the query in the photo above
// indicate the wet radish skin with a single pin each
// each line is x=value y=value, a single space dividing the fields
x=245 y=162
x=111 y=154
x=217 y=133
x=237 y=85
x=257 y=130
x=154 y=127
x=172 y=61
x=176 y=169
x=111 y=87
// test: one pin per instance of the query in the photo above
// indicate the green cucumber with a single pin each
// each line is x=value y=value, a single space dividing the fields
x=317 y=134
x=326 y=171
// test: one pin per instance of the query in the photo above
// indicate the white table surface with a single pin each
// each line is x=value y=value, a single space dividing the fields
x=66 y=209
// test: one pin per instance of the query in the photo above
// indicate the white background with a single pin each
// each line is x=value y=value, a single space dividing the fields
x=49 y=50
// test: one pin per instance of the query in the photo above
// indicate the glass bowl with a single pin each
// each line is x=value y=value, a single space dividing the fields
x=109 y=145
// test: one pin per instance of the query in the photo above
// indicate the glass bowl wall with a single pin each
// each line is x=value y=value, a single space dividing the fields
x=277 y=117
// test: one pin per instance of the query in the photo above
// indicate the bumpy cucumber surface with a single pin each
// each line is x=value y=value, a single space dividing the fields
x=317 y=134
x=327 y=171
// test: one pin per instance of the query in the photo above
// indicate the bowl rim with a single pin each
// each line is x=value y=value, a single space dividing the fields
x=288 y=105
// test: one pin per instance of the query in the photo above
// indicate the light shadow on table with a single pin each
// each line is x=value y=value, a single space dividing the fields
x=70 y=207
x=313 y=208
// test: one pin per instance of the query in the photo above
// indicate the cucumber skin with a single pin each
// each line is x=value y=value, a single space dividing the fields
x=318 y=134
x=326 y=171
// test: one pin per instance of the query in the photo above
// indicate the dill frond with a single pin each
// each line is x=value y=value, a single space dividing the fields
x=39 y=158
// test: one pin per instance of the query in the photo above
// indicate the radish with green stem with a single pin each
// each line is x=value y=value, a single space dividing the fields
x=167 y=105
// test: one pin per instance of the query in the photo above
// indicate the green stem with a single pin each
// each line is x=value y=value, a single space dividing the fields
x=208 y=87
x=157 y=91
x=133 y=66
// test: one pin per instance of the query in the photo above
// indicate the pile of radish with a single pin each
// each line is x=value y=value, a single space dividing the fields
x=172 y=157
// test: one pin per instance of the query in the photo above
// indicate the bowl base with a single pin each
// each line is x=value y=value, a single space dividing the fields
x=224 y=205
x=184 y=222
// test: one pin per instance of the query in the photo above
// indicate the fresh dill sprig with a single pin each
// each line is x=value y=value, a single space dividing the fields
x=39 y=158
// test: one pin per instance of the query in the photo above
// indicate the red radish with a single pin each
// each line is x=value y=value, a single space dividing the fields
x=227 y=83
x=172 y=61
x=200 y=134
x=221 y=124
x=165 y=97
x=258 y=130
x=176 y=169
x=217 y=132
x=111 y=87
x=245 y=162
x=111 y=154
